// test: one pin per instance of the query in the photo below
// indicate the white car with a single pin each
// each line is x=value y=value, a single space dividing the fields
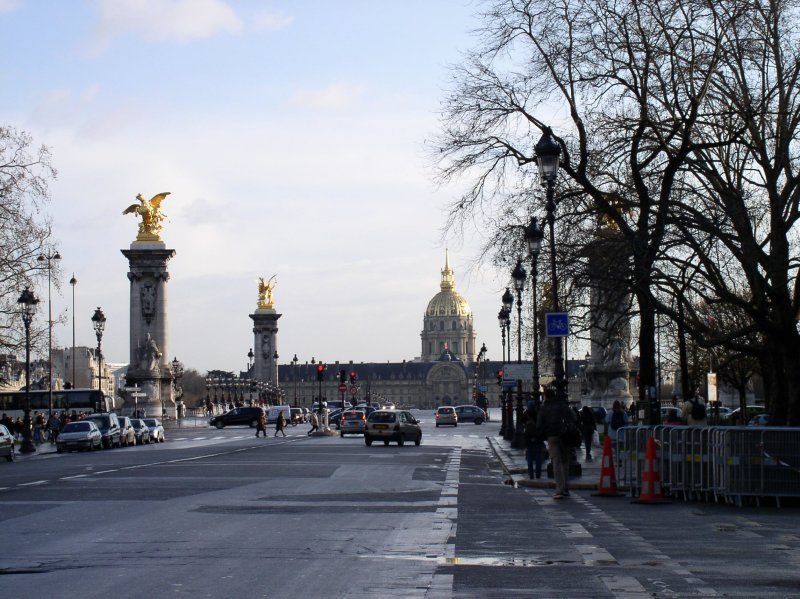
x=81 y=434
x=156 y=430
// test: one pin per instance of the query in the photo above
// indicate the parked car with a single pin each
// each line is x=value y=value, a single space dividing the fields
x=237 y=417
x=156 y=430
x=108 y=423
x=752 y=412
x=352 y=422
x=392 y=425
x=760 y=420
x=126 y=432
x=81 y=434
x=141 y=431
x=6 y=444
x=446 y=415
x=470 y=414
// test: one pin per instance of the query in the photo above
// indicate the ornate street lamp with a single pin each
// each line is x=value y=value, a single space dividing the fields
x=518 y=276
x=506 y=427
x=547 y=156
x=49 y=259
x=250 y=356
x=99 y=322
x=73 y=281
x=294 y=373
x=177 y=373
x=533 y=237
x=27 y=303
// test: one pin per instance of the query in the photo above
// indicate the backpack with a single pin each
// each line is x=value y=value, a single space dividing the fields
x=570 y=433
x=617 y=420
x=698 y=410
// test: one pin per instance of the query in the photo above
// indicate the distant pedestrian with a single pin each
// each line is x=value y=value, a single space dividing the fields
x=553 y=414
x=280 y=424
x=616 y=419
x=534 y=445
x=694 y=410
x=38 y=428
x=588 y=427
x=53 y=426
x=261 y=427
x=314 y=420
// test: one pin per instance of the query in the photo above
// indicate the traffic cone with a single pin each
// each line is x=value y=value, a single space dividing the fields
x=607 y=486
x=651 y=491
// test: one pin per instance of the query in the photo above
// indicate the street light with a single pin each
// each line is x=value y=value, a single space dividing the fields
x=547 y=156
x=294 y=373
x=533 y=237
x=49 y=258
x=250 y=356
x=99 y=322
x=505 y=324
x=27 y=303
x=518 y=276
x=73 y=281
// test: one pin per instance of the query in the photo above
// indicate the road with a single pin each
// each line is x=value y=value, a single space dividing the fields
x=222 y=514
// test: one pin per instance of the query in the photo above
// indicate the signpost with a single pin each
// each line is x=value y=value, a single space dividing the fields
x=557 y=324
x=135 y=394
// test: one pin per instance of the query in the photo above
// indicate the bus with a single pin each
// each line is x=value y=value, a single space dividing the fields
x=12 y=403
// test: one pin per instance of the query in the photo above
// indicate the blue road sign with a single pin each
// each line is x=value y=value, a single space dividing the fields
x=557 y=324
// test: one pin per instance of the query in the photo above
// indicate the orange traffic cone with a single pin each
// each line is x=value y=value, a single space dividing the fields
x=651 y=480
x=607 y=485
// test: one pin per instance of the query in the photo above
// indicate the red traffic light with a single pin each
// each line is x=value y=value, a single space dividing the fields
x=499 y=377
x=352 y=377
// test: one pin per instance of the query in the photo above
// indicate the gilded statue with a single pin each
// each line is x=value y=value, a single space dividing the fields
x=150 y=211
x=265 y=288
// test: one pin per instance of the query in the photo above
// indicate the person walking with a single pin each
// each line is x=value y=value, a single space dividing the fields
x=261 y=426
x=553 y=415
x=588 y=427
x=314 y=420
x=53 y=427
x=280 y=424
x=534 y=445
x=694 y=410
x=616 y=419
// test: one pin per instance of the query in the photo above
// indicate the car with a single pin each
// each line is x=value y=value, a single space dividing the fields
x=127 y=434
x=156 y=430
x=298 y=416
x=81 y=434
x=392 y=425
x=752 y=412
x=352 y=422
x=334 y=417
x=108 y=423
x=272 y=414
x=671 y=416
x=760 y=420
x=470 y=414
x=6 y=443
x=446 y=415
x=141 y=431
x=244 y=416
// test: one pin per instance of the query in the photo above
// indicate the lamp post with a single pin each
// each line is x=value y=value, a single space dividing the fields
x=49 y=259
x=533 y=237
x=73 y=281
x=547 y=156
x=99 y=322
x=502 y=318
x=177 y=373
x=518 y=276
x=27 y=303
x=508 y=407
x=294 y=375
x=250 y=356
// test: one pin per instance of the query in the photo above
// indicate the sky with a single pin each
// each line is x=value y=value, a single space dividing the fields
x=292 y=137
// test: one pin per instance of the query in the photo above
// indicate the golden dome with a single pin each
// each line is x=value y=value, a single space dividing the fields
x=448 y=302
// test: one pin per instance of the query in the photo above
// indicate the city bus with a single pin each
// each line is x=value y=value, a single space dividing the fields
x=86 y=400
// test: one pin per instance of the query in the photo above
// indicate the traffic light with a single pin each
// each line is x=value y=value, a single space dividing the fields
x=499 y=377
x=342 y=376
x=320 y=372
x=352 y=377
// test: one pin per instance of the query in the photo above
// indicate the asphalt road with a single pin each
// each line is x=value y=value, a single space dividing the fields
x=222 y=514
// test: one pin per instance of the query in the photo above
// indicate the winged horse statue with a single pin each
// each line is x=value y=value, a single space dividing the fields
x=150 y=211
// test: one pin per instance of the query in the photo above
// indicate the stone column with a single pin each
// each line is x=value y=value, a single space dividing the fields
x=149 y=330
x=265 y=344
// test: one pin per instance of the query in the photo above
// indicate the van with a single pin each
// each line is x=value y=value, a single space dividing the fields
x=110 y=431
x=272 y=414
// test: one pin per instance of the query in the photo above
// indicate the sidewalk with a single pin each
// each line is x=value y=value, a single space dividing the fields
x=516 y=467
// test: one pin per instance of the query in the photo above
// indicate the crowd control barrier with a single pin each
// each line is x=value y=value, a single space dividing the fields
x=732 y=464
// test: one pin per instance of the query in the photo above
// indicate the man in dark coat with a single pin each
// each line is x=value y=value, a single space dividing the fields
x=549 y=425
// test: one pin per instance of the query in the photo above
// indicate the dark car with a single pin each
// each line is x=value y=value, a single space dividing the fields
x=392 y=425
x=6 y=444
x=470 y=414
x=110 y=431
x=238 y=417
x=141 y=431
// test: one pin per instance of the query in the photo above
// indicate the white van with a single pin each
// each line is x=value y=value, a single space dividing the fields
x=272 y=414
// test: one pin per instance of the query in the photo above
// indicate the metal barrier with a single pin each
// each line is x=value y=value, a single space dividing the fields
x=717 y=463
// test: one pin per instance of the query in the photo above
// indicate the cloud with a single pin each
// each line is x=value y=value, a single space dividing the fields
x=335 y=97
x=8 y=6
x=268 y=21
x=180 y=21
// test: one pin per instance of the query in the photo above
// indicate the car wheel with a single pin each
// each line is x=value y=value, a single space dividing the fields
x=59 y=450
x=479 y=421
x=162 y=438
x=386 y=441
x=418 y=440
x=367 y=441
x=106 y=444
x=401 y=440
x=10 y=456
x=455 y=424
x=219 y=425
x=437 y=425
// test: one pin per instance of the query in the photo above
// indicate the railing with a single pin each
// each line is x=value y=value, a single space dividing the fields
x=733 y=464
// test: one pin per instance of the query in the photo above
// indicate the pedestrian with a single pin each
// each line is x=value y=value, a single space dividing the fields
x=534 y=445
x=553 y=415
x=314 y=420
x=53 y=427
x=588 y=427
x=694 y=410
x=616 y=419
x=280 y=424
x=38 y=427
x=19 y=428
x=262 y=424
